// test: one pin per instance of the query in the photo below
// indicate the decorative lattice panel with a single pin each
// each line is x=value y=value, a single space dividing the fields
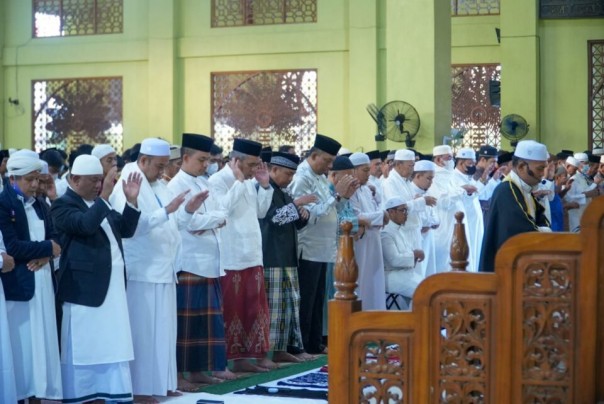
x=271 y=107
x=571 y=8
x=596 y=94
x=474 y=7
x=548 y=329
x=464 y=347
x=472 y=111
x=70 y=112
x=230 y=13
x=77 y=17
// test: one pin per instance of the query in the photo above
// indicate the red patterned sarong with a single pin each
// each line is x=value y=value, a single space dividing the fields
x=246 y=319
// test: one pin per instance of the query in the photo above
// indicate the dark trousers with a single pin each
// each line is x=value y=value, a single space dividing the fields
x=311 y=276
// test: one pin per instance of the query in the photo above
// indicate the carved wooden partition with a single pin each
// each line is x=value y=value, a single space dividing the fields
x=528 y=333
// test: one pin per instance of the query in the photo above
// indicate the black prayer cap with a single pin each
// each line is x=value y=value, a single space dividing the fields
x=266 y=154
x=568 y=152
x=373 y=154
x=504 y=157
x=427 y=157
x=4 y=154
x=593 y=158
x=327 y=144
x=215 y=149
x=286 y=160
x=384 y=154
x=53 y=158
x=197 y=142
x=342 y=163
x=247 y=146
x=487 y=151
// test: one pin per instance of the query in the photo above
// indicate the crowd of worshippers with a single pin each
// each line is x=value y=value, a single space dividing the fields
x=125 y=278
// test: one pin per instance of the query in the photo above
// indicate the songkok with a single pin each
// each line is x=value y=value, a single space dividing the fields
x=247 y=146
x=175 y=152
x=487 y=151
x=215 y=149
x=4 y=154
x=23 y=162
x=531 y=150
x=504 y=157
x=424 y=165
x=373 y=154
x=197 y=142
x=341 y=163
x=286 y=160
x=572 y=161
x=466 y=154
x=358 y=159
x=597 y=152
x=327 y=144
x=404 y=155
x=384 y=155
x=53 y=158
x=155 y=147
x=581 y=157
x=101 y=150
x=394 y=202
x=44 y=169
x=441 y=150
x=344 y=151
x=87 y=164
x=593 y=158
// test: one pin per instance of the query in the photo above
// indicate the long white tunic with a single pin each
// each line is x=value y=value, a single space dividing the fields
x=368 y=251
x=399 y=261
x=240 y=238
x=430 y=220
x=200 y=252
x=576 y=194
x=449 y=201
x=8 y=389
x=33 y=330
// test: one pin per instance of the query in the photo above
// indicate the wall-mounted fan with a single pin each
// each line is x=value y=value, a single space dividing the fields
x=401 y=122
x=378 y=117
x=514 y=127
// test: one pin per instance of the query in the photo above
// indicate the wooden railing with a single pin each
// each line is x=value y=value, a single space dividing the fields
x=528 y=333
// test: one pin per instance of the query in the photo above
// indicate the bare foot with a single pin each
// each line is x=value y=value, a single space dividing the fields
x=244 y=365
x=267 y=364
x=305 y=356
x=225 y=374
x=199 y=377
x=282 y=356
x=174 y=393
x=185 y=385
x=145 y=400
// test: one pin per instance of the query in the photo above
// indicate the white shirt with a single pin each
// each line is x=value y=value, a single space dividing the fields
x=397 y=250
x=240 y=238
x=200 y=252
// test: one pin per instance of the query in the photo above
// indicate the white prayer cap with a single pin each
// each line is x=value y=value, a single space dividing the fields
x=598 y=152
x=343 y=150
x=11 y=151
x=394 y=202
x=175 y=152
x=572 y=161
x=404 y=155
x=101 y=150
x=23 y=162
x=44 y=169
x=442 y=149
x=531 y=150
x=582 y=157
x=467 y=154
x=424 y=165
x=87 y=164
x=155 y=147
x=358 y=159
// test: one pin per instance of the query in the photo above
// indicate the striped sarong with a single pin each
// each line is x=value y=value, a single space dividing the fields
x=245 y=313
x=283 y=293
x=200 y=344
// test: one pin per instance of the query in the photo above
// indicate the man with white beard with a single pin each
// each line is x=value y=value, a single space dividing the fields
x=368 y=249
x=465 y=168
x=450 y=200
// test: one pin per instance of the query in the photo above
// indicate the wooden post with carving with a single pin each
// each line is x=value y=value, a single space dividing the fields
x=459 y=245
x=345 y=303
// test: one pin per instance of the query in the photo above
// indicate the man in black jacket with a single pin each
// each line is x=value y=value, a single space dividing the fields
x=280 y=256
x=96 y=339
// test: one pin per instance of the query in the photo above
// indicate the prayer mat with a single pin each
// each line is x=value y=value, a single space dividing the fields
x=316 y=380
x=284 y=392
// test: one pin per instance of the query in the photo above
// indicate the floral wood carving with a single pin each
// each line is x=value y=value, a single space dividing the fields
x=548 y=329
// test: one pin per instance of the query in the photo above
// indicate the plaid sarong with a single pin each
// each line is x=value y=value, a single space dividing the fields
x=245 y=313
x=283 y=294
x=200 y=344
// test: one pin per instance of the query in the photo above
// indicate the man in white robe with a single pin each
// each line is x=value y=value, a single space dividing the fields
x=8 y=389
x=450 y=200
x=106 y=155
x=581 y=189
x=96 y=341
x=375 y=175
x=368 y=248
x=151 y=264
